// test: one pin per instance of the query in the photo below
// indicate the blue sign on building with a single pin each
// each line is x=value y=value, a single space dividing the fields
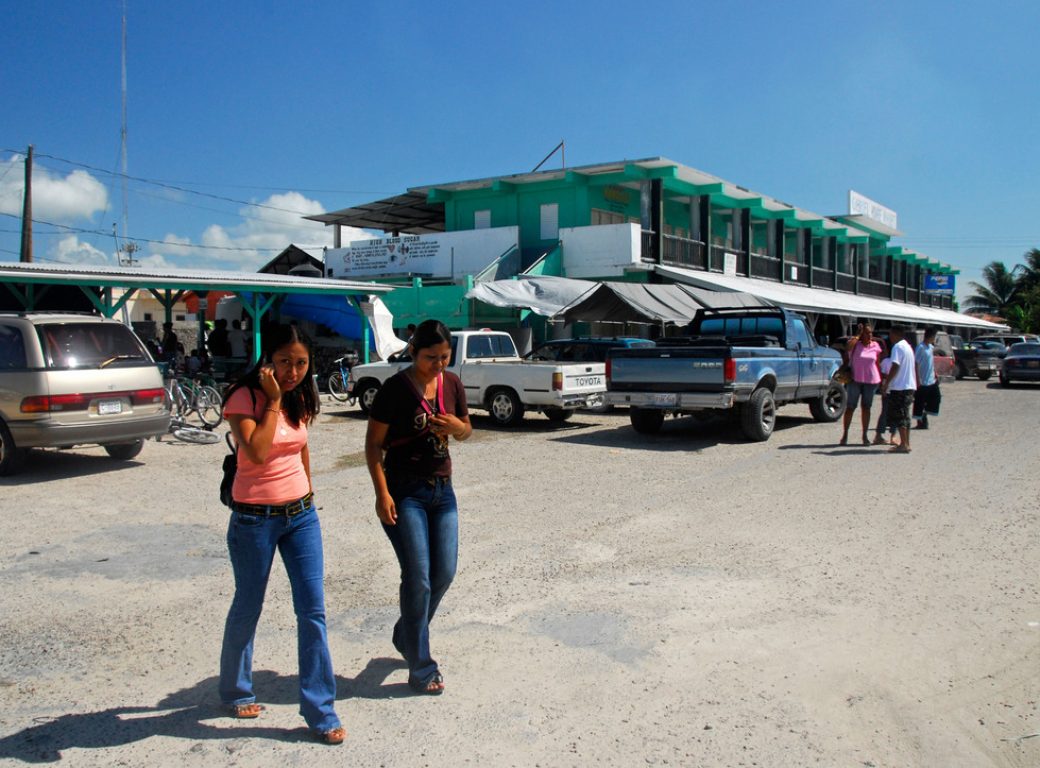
x=939 y=284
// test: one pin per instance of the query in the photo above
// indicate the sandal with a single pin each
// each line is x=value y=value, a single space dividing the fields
x=335 y=735
x=844 y=440
x=246 y=711
x=433 y=688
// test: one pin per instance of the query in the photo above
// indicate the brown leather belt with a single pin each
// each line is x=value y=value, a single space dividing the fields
x=291 y=509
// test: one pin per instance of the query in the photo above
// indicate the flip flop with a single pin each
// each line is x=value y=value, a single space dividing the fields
x=898 y=449
x=332 y=736
x=435 y=687
x=246 y=711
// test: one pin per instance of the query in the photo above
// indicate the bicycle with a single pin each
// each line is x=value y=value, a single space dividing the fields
x=338 y=383
x=186 y=397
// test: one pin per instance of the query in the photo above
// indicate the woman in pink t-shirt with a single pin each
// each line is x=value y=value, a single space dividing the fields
x=863 y=353
x=269 y=409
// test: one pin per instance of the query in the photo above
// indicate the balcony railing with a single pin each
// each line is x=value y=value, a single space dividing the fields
x=765 y=266
x=682 y=252
x=846 y=283
x=873 y=288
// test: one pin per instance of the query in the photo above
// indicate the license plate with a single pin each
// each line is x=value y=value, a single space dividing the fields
x=1033 y=363
x=106 y=407
x=667 y=398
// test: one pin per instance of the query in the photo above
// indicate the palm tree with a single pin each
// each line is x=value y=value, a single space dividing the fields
x=1029 y=272
x=999 y=292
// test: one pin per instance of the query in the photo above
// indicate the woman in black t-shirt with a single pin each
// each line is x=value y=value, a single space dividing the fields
x=411 y=419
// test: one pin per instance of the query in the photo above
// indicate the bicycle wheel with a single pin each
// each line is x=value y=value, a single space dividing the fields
x=208 y=405
x=195 y=435
x=338 y=387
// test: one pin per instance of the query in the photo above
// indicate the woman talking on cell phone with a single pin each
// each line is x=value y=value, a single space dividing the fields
x=412 y=417
x=268 y=410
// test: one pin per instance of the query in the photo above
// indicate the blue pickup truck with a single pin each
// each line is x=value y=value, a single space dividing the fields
x=743 y=361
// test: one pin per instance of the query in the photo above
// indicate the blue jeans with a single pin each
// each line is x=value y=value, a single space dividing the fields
x=252 y=541
x=426 y=542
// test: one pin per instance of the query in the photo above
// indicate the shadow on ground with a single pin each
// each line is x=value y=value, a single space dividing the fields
x=184 y=714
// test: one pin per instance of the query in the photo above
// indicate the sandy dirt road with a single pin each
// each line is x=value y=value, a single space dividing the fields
x=686 y=599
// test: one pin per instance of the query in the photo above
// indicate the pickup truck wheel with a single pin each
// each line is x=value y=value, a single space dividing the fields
x=505 y=407
x=830 y=405
x=366 y=393
x=11 y=456
x=124 y=451
x=758 y=416
x=984 y=375
x=646 y=421
x=559 y=415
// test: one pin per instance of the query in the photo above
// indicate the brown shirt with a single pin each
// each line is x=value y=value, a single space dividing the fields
x=412 y=449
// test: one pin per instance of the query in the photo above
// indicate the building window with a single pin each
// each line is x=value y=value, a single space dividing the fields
x=482 y=219
x=549 y=218
x=179 y=318
x=147 y=317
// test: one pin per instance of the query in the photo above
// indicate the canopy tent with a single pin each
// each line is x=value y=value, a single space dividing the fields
x=803 y=299
x=650 y=303
x=542 y=295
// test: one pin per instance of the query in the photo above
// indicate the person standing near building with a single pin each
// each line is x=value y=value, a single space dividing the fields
x=411 y=419
x=273 y=510
x=899 y=385
x=863 y=352
x=237 y=338
x=926 y=400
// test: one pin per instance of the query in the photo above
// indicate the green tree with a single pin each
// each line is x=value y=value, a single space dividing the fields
x=1029 y=271
x=998 y=291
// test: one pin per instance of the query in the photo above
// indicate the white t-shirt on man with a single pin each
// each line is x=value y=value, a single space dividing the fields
x=906 y=377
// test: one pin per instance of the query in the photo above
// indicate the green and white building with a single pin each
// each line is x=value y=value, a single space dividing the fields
x=651 y=221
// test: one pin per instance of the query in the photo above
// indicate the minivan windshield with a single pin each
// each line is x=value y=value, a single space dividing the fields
x=91 y=345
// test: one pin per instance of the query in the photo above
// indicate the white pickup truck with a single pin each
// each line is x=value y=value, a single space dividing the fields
x=497 y=380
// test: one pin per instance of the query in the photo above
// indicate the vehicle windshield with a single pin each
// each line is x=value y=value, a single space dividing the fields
x=1025 y=348
x=91 y=345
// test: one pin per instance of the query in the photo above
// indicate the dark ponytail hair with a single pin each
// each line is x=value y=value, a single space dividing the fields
x=429 y=333
x=302 y=402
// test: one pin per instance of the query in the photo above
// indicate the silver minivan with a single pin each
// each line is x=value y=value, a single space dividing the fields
x=70 y=379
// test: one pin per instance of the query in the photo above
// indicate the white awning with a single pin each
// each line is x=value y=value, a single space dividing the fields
x=650 y=303
x=542 y=295
x=804 y=299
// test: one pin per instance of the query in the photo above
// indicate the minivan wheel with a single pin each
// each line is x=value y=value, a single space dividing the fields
x=124 y=451
x=11 y=456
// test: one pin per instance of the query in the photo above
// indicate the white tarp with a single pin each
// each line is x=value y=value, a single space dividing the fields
x=381 y=320
x=650 y=303
x=542 y=295
x=803 y=299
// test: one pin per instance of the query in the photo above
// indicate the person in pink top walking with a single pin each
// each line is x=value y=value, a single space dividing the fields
x=864 y=353
x=273 y=510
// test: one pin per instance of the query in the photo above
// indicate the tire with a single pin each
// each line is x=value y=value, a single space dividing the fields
x=366 y=389
x=196 y=436
x=646 y=421
x=338 y=387
x=758 y=416
x=829 y=406
x=505 y=407
x=558 y=415
x=11 y=456
x=984 y=375
x=209 y=406
x=124 y=451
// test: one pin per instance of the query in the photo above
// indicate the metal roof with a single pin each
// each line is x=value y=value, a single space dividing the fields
x=407 y=212
x=180 y=279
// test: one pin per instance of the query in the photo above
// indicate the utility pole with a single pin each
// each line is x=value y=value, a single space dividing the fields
x=27 y=253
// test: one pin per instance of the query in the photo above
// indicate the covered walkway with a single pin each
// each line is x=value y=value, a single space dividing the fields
x=258 y=292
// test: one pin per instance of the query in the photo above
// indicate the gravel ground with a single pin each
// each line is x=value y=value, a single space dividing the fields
x=684 y=599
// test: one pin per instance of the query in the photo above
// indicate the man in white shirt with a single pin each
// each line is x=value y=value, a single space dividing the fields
x=926 y=401
x=900 y=385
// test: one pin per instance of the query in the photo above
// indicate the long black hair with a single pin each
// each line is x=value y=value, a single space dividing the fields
x=301 y=403
x=429 y=333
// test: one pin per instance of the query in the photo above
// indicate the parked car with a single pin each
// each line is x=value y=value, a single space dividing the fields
x=1007 y=339
x=979 y=358
x=582 y=350
x=498 y=380
x=1022 y=363
x=747 y=361
x=75 y=379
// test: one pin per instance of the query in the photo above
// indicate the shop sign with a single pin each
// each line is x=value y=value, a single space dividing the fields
x=729 y=263
x=942 y=285
x=860 y=205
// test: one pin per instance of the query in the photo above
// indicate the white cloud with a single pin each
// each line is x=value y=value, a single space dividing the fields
x=72 y=250
x=262 y=235
x=54 y=197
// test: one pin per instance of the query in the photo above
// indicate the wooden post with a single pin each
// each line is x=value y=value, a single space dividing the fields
x=27 y=251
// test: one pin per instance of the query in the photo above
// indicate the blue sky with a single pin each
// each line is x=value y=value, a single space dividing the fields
x=929 y=108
